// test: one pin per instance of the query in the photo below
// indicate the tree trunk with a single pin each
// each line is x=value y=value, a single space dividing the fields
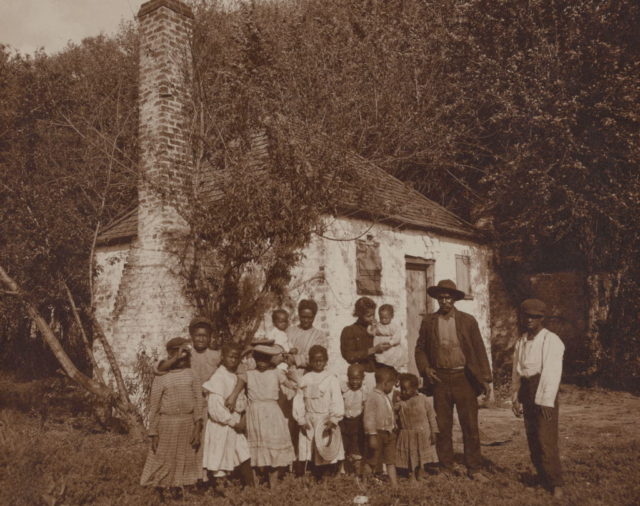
x=129 y=412
x=111 y=358
x=603 y=289
x=85 y=339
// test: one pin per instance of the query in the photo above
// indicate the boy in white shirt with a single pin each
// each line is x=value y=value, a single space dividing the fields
x=537 y=370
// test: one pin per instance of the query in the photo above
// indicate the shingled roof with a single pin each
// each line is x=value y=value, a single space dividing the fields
x=389 y=200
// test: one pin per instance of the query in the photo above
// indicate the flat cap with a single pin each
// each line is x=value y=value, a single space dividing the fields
x=534 y=307
x=176 y=342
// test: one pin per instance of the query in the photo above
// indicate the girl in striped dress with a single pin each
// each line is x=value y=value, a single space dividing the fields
x=175 y=424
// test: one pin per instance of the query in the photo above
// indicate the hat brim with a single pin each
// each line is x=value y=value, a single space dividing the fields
x=437 y=291
x=266 y=349
x=328 y=446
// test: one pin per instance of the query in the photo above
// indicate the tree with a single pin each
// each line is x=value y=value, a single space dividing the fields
x=66 y=163
x=555 y=87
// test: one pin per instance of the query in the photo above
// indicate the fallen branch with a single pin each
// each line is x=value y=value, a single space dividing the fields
x=128 y=411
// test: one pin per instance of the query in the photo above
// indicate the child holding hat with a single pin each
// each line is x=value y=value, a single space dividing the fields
x=318 y=407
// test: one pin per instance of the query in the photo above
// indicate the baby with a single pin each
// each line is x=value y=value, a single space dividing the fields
x=387 y=331
x=278 y=334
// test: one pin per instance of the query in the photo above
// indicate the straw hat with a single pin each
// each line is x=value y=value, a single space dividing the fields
x=327 y=441
x=446 y=286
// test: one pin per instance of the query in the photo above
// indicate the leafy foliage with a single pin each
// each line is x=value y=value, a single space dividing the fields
x=523 y=113
x=67 y=158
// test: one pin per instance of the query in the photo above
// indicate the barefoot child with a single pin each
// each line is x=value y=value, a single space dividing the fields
x=388 y=331
x=225 y=447
x=267 y=428
x=354 y=395
x=380 y=425
x=175 y=424
x=418 y=429
x=318 y=402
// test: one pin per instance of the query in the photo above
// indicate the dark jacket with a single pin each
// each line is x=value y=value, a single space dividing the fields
x=475 y=353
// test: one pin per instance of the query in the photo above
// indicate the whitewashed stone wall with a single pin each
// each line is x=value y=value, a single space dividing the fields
x=328 y=275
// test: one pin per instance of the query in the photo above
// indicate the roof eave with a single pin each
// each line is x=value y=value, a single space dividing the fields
x=476 y=236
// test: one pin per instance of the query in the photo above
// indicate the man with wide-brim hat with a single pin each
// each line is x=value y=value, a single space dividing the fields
x=452 y=359
x=537 y=370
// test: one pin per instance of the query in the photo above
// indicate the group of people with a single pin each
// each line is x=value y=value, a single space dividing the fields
x=273 y=406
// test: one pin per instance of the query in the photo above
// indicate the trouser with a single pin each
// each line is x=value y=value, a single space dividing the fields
x=542 y=435
x=455 y=389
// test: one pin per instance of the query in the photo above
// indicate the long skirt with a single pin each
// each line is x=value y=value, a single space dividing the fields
x=268 y=435
x=414 y=449
x=175 y=463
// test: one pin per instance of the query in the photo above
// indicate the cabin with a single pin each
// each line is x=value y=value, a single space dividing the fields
x=391 y=251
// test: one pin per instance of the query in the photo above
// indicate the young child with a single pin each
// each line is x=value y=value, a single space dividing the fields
x=388 y=331
x=380 y=425
x=318 y=401
x=354 y=395
x=175 y=424
x=267 y=428
x=418 y=429
x=278 y=334
x=225 y=447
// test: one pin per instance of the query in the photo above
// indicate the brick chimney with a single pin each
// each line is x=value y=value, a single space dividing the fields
x=164 y=96
x=150 y=306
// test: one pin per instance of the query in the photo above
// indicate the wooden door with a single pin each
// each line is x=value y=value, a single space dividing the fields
x=419 y=276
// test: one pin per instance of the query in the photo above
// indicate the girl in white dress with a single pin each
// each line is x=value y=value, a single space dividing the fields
x=225 y=446
x=318 y=401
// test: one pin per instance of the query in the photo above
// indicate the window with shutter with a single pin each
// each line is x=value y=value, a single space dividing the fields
x=463 y=275
x=368 y=268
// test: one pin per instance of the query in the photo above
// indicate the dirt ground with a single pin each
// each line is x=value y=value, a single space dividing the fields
x=59 y=458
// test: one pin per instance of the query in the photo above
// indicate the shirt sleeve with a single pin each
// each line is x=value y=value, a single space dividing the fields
x=156 y=369
x=552 y=354
x=422 y=361
x=219 y=413
x=481 y=352
x=198 y=399
x=157 y=388
x=298 y=410
x=349 y=348
x=515 y=377
x=336 y=404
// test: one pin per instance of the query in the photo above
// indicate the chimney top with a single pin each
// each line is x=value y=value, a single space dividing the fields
x=174 y=5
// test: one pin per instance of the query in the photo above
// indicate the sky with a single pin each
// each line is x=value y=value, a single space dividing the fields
x=27 y=25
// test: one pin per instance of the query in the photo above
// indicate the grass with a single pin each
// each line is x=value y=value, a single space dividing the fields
x=62 y=458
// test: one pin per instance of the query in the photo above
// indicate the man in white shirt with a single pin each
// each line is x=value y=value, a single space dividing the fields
x=537 y=370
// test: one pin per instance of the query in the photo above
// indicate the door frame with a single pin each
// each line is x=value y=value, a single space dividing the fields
x=426 y=265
